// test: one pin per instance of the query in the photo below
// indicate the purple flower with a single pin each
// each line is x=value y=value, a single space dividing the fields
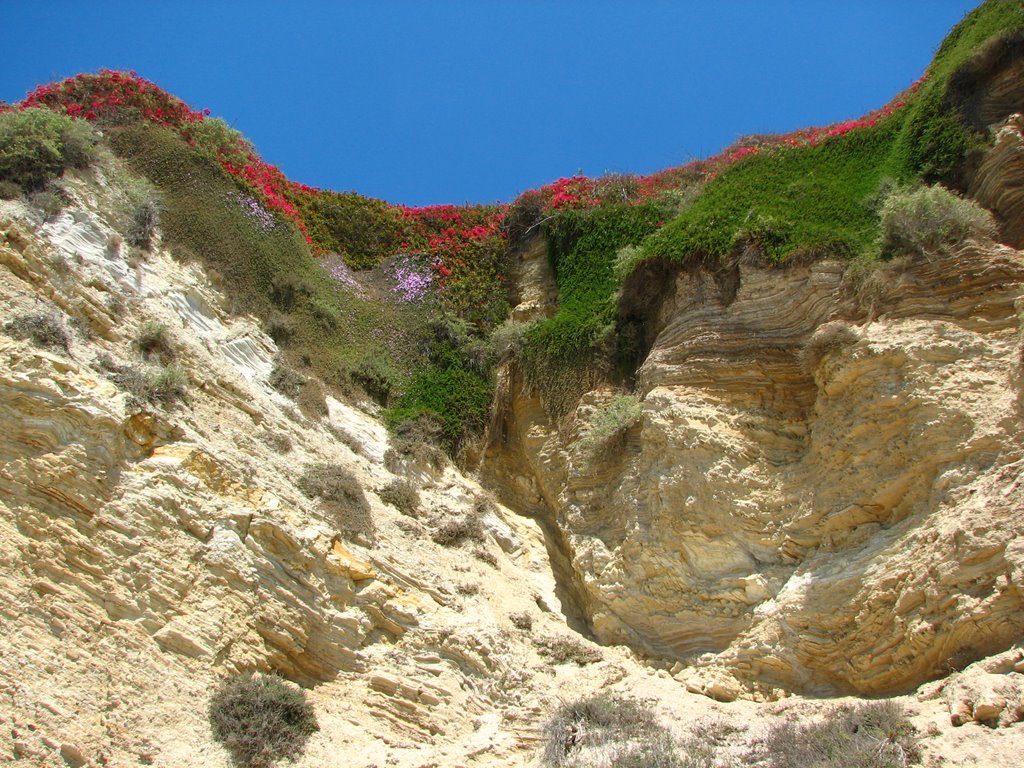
x=255 y=211
x=412 y=281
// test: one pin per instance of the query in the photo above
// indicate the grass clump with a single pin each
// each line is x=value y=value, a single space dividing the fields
x=167 y=386
x=340 y=493
x=921 y=221
x=144 y=220
x=9 y=190
x=154 y=340
x=875 y=735
x=607 y=428
x=261 y=719
x=44 y=329
x=609 y=731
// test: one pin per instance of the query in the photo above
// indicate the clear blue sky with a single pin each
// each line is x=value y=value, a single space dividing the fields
x=435 y=101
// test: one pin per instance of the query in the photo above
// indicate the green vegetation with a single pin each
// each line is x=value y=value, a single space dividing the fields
x=918 y=222
x=36 y=145
x=807 y=200
x=768 y=200
x=558 y=354
x=607 y=428
x=261 y=720
x=363 y=230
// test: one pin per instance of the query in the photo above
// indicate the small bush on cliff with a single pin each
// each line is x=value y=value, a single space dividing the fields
x=607 y=730
x=340 y=492
x=919 y=222
x=608 y=427
x=167 y=386
x=875 y=735
x=34 y=145
x=261 y=719
x=402 y=495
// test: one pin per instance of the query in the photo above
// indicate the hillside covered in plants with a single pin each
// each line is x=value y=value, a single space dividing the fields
x=404 y=303
x=674 y=470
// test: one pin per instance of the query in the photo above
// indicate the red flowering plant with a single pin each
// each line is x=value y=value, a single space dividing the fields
x=113 y=98
x=119 y=98
x=465 y=246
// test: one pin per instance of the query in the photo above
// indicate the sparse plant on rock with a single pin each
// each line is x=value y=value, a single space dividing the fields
x=827 y=338
x=45 y=329
x=261 y=719
x=609 y=731
x=562 y=649
x=340 y=492
x=607 y=427
x=873 y=735
x=402 y=495
x=153 y=339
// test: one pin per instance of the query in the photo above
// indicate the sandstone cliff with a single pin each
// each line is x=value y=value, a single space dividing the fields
x=822 y=493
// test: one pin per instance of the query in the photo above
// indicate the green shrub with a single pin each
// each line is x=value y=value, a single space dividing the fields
x=285 y=380
x=45 y=329
x=377 y=375
x=340 y=492
x=607 y=427
x=919 y=222
x=624 y=733
x=312 y=400
x=31 y=147
x=508 y=339
x=218 y=141
x=153 y=339
x=79 y=143
x=49 y=202
x=287 y=290
x=875 y=735
x=261 y=720
x=280 y=328
x=9 y=190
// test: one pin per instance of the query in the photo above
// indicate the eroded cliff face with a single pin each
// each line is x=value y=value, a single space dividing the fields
x=148 y=551
x=824 y=491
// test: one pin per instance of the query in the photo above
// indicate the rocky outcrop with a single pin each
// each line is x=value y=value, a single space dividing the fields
x=820 y=495
x=149 y=549
x=997 y=184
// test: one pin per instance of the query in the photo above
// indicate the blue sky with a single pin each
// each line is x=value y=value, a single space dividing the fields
x=423 y=102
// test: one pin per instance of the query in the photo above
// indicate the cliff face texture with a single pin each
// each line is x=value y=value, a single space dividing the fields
x=149 y=549
x=823 y=491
